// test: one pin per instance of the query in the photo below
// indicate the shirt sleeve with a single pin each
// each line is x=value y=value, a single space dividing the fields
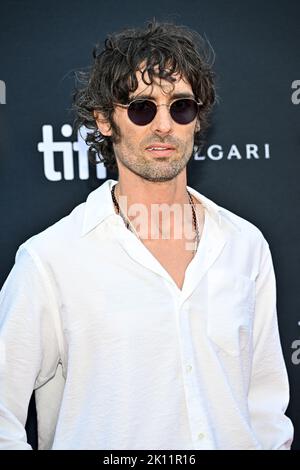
x=29 y=350
x=269 y=389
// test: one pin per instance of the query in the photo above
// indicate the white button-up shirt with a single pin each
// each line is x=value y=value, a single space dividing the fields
x=121 y=358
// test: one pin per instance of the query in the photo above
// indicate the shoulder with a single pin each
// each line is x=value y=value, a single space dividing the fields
x=243 y=226
x=229 y=220
x=57 y=237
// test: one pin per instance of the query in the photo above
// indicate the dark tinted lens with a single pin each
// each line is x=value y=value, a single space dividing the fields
x=141 y=112
x=184 y=111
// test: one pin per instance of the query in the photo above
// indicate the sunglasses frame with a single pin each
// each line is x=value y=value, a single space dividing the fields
x=198 y=103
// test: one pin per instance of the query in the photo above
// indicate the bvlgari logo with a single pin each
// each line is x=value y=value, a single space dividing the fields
x=2 y=92
x=233 y=152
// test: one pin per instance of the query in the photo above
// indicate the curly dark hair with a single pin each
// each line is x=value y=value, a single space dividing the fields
x=163 y=49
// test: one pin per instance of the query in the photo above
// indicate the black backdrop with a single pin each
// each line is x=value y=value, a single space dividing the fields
x=250 y=163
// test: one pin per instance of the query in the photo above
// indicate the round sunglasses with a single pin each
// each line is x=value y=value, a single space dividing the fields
x=142 y=112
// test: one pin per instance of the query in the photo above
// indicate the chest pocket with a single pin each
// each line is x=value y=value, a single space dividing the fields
x=231 y=302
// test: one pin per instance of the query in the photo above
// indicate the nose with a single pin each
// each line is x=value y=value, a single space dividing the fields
x=162 y=123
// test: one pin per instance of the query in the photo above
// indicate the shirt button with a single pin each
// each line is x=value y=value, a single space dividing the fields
x=200 y=436
x=189 y=368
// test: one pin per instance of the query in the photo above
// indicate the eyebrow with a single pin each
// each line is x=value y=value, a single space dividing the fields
x=172 y=96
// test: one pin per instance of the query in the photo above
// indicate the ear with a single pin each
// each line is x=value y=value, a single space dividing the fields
x=102 y=124
x=197 y=127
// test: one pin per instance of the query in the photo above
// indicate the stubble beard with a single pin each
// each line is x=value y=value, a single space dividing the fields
x=157 y=169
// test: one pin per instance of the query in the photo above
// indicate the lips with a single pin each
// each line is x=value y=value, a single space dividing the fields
x=158 y=146
x=160 y=150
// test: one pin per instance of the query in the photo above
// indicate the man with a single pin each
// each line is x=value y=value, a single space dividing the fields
x=136 y=333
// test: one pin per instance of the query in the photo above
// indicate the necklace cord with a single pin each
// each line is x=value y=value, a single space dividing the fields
x=129 y=225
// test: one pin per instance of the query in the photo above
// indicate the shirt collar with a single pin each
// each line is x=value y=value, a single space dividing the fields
x=99 y=206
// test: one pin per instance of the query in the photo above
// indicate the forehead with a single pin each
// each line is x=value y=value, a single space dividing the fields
x=161 y=87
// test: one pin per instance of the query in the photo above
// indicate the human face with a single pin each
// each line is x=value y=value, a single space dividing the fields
x=134 y=149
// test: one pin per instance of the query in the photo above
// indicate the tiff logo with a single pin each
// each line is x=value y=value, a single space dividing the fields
x=2 y=92
x=48 y=148
x=296 y=94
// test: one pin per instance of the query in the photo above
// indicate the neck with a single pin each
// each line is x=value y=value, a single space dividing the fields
x=141 y=191
x=133 y=190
